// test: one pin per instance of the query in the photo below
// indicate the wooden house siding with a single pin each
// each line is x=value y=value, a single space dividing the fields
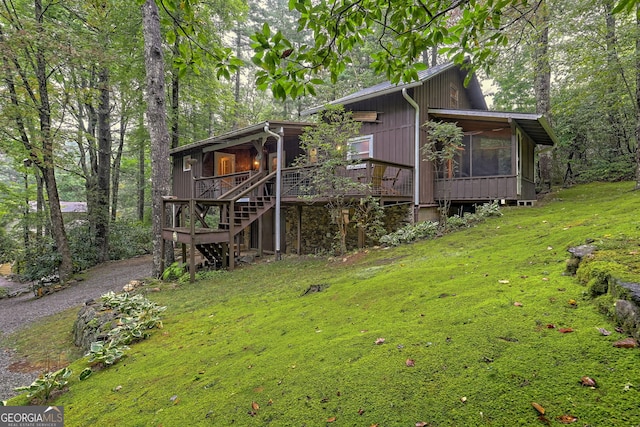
x=393 y=131
x=181 y=178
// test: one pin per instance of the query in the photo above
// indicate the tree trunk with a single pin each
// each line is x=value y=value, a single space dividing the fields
x=157 y=123
x=104 y=168
x=141 y=183
x=117 y=161
x=638 y=97
x=175 y=97
x=542 y=85
x=46 y=165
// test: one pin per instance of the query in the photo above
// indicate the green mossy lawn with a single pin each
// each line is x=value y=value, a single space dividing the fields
x=470 y=323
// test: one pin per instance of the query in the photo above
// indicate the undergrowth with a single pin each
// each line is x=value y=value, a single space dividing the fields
x=464 y=330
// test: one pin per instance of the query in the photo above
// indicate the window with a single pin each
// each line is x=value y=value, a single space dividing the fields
x=186 y=164
x=453 y=96
x=484 y=154
x=360 y=148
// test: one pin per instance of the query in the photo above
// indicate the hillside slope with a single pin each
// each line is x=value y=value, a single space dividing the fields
x=465 y=330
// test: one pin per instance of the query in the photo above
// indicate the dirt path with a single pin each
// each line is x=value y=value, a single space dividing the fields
x=18 y=312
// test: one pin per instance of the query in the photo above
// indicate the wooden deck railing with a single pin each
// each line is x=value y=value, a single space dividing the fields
x=376 y=178
x=213 y=187
x=485 y=188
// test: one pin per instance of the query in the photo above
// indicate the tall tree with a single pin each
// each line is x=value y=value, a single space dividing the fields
x=28 y=54
x=156 y=122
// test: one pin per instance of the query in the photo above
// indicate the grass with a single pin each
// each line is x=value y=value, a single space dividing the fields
x=247 y=348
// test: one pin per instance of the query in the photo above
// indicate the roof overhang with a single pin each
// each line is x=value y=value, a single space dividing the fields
x=535 y=126
x=258 y=132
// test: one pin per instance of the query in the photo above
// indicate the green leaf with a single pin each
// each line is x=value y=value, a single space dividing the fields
x=86 y=373
x=171 y=37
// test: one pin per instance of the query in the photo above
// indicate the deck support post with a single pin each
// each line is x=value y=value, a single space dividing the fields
x=163 y=218
x=232 y=240
x=260 y=231
x=299 y=239
x=192 y=223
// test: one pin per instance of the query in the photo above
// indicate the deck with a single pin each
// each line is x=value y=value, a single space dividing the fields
x=219 y=208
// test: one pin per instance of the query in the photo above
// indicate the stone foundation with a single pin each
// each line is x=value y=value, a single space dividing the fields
x=318 y=230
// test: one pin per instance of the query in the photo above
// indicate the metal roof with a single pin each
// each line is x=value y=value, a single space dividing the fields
x=534 y=125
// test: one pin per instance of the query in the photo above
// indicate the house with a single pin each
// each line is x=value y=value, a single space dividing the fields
x=238 y=191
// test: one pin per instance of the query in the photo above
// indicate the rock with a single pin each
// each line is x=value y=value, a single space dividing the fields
x=92 y=324
x=132 y=285
x=582 y=250
x=628 y=316
x=577 y=254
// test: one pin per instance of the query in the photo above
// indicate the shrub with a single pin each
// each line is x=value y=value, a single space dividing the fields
x=7 y=247
x=46 y=383
x=487 y=210
x=428 y=229
x=40 y=258
x=138 y=315
x=410 y=233
x=128 y=239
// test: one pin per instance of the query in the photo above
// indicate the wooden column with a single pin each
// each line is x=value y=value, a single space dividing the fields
x=299 y=242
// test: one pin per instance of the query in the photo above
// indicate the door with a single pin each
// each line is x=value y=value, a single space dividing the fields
x=225 y=164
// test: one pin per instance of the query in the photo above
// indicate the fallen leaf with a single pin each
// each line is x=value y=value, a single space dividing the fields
x=619 y=329
x=546 y=279
x=626 y=343
x=463 y=399
x=587 y=381
x=360 y=411
x=517 y=304
x=551 y=326
x=331 y=420
x=539 y=408
x=572 y=302
x=410 y=363
x=270 y=402
x=567 y=419
x=422 y=424
x=504 y=281
x=604 y=332
x=379 y=341
x=255 y=406
x=565 y=330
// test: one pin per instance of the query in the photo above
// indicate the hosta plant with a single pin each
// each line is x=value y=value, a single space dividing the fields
x=46 y=383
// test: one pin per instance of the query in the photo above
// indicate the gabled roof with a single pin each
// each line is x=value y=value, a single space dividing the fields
x=534 y=125
x=245 y=135
x=387 y=87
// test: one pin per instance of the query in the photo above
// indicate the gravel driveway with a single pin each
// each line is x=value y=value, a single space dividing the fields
x=17 y=312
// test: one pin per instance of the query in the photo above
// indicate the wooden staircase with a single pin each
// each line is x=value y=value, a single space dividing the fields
x=238 y=209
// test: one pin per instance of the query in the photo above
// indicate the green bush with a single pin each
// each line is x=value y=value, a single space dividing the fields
x=410 y=233
x=39 y=259
x=46 y=383
x=7 y=247
x=487 y=210
x=129 y=238
x=137 y=316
